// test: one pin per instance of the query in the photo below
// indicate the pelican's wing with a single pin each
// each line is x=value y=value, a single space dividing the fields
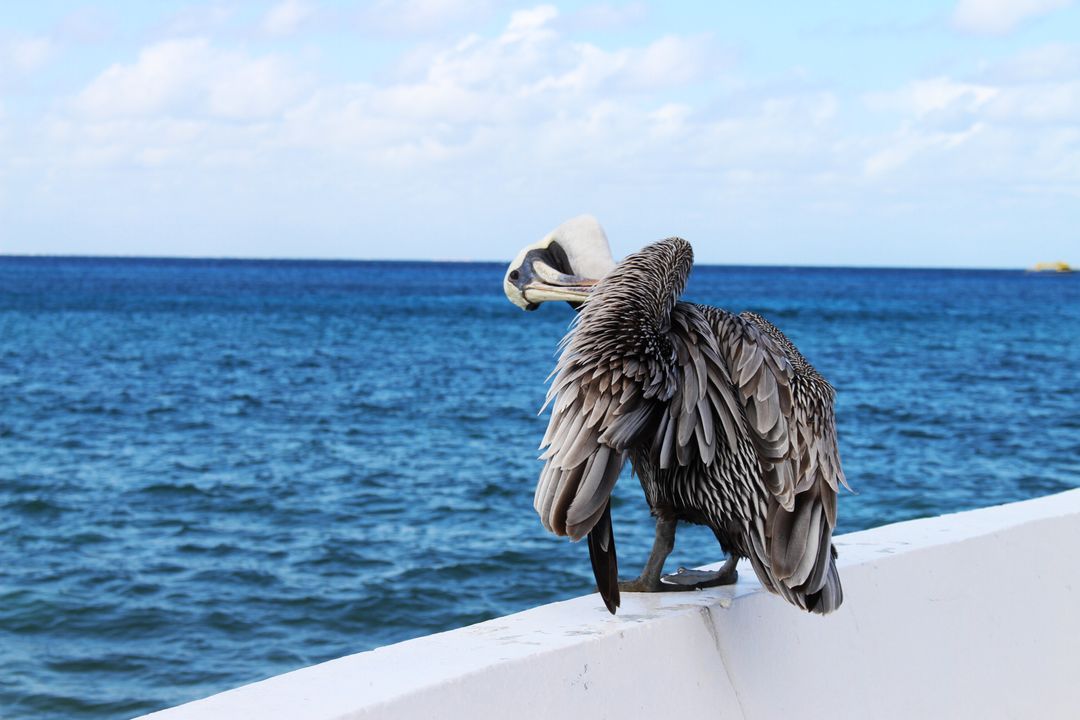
x=599 y=407
x=705 y=412
x=789 y=413
x=597 y=411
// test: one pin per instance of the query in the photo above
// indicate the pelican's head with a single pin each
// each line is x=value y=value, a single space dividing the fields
x=564 y=265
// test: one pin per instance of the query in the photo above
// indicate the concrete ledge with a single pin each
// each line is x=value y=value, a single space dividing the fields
x=966 y=615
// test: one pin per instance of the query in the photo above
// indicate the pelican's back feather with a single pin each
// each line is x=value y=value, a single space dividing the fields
x=789 y=411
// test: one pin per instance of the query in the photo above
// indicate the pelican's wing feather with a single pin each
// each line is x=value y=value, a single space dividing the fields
x=597 y=412
x=705 y=413
x=788 y=409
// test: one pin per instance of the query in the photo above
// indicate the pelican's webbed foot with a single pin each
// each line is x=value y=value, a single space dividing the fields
x=684 y=579
x=645 y=584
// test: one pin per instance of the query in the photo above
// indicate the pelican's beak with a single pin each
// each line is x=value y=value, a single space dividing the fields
x=535 y=281
x=537 y=276
x=550 y=284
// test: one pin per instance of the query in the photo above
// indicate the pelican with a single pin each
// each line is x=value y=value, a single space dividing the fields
x=723 y=420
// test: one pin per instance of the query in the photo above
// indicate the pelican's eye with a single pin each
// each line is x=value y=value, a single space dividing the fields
x=514 y=274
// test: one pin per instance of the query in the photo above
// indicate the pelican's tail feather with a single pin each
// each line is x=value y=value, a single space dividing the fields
x=605 y=563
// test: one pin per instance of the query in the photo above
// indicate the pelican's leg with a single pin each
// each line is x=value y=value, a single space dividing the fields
x=684 y=579
x=663 y=544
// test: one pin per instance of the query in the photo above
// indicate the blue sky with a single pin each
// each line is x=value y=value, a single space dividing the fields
x=836 y=133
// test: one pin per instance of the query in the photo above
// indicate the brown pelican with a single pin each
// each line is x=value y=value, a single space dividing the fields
x=725 y=423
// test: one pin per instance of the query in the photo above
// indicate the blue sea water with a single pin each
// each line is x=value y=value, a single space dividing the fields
x=215 y=471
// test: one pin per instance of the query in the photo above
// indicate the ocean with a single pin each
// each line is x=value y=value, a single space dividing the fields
x=216 y=471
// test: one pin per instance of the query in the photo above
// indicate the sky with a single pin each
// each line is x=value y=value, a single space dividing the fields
x=829 y=133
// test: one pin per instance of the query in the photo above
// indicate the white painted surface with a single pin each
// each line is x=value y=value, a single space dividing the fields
x=972 y=615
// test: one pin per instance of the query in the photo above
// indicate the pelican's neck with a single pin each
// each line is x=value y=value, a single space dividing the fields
x=646 y=284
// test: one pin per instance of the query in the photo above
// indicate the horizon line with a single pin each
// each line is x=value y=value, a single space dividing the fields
x=241 y=258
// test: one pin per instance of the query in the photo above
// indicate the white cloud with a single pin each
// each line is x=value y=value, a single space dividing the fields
x=26 y=55
x=943 y=102
x=934 y=95
x=491 y=101
x=525 y=24
x=85 y=25
x=668 y=62
x=907 y=144
x=533 y=116
x=1040 y=102
x=199 y=19
x=530 y=97
x=410 y=17
x=981 y=130
x=607 y=16
x=527 y=97
x=286 y=17
x=191 y=77
x=1056 y=61
x=998 y=17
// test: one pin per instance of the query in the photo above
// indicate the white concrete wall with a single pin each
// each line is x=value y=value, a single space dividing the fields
x=972 y=615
